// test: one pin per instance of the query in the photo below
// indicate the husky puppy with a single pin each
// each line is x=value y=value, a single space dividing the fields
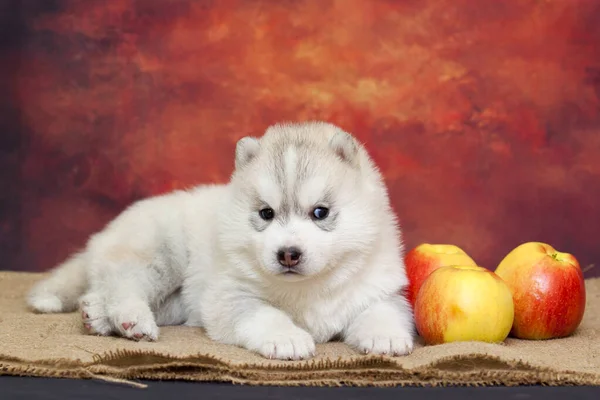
x=301 y=246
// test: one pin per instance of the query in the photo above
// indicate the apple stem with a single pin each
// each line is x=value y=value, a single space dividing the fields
x=586 y=269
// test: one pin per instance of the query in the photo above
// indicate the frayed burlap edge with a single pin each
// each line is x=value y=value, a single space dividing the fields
x=465 y=370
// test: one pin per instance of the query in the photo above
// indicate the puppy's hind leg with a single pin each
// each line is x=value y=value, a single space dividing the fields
x=93 y=314
x=130 y=282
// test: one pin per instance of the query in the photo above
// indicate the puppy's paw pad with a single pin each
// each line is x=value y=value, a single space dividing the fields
x=144 y=331
x=136 y=323
x=127 y=325
x=149 y=333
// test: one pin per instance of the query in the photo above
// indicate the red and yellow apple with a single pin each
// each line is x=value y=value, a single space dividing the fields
x=463 y=303
x=426 y=258
x=548 y=290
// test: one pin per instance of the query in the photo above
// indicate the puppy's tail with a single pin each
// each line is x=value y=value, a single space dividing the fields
x=60 y=291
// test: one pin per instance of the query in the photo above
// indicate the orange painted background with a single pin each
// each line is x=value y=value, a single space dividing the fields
x=483 y=115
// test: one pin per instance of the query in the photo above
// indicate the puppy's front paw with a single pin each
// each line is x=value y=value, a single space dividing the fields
x=381 y=339
x=291 y=343
x=384 y=345
x=385 y=327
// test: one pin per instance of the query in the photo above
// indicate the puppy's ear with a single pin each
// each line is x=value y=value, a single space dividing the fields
x=345 y=146
x=245 y=150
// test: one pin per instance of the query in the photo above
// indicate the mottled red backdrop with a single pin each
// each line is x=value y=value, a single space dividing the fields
x=484 y=115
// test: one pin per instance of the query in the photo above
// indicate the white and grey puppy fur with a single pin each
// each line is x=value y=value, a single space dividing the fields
x=301 y=246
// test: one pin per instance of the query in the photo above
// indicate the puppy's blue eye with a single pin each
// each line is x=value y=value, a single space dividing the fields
x=267 y=214
x=320 y=213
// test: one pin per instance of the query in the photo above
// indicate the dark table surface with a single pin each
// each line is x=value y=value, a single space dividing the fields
x=63 y=389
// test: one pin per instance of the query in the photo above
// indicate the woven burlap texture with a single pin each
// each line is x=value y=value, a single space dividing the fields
x=56 y=346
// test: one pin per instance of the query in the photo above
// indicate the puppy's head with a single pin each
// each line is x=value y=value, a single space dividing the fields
x=306 y=199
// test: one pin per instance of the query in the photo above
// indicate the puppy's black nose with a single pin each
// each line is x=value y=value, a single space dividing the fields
x=289 y=256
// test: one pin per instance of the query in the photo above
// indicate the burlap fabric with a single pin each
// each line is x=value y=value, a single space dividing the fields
x=54 y=345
